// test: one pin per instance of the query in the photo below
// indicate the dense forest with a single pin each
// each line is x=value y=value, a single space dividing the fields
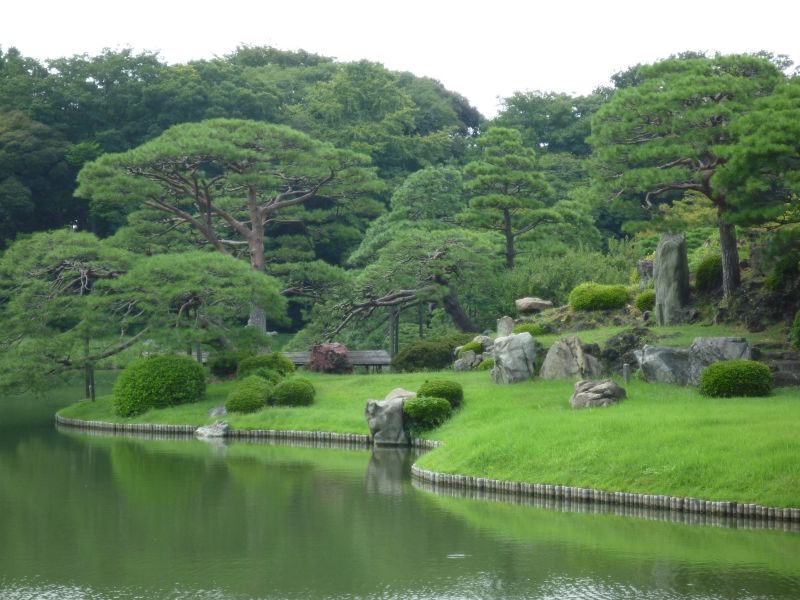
x=170 y=205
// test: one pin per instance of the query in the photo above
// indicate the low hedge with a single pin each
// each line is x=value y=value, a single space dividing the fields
x=423 y=414
x=293 y=392
x=424 y=355
x=736 y=378
x=275 y=361
x=157 y=382
x=249 y=395
x=225 y=364
x=597 y=296
x=443 y=388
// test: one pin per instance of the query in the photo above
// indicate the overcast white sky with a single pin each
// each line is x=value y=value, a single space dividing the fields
x=480 y=48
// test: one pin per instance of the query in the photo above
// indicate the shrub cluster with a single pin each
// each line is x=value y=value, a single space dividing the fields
x=275 y=362
x=225 y=364
x=596 y=296
x=533 y=328
x=736 y=378
x=443 y=388
x=785 y=273
x=646 y=301
x=249 y=395
x=293 y=392
x=424 y=355
x=157 y=382
x=424 y=413
x=708 y=276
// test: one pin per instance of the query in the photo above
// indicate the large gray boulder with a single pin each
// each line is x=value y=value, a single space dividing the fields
x=505 y=326
x=567 y=360
x=671 y=274
x=217 y=430
x=385 y=418
x=595 y=394
x=685 y=365
x=514 y=358
x=531 y=304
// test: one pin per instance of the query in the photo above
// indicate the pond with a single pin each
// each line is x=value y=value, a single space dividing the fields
x=97 y=517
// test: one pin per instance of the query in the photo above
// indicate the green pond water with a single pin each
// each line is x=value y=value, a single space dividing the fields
x=97 y=517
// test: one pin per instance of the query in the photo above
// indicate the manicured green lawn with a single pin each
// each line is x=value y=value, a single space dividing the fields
x=662 y=440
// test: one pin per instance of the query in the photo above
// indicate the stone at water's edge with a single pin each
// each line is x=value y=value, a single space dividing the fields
x=594 y=394
x=532 y=304
x=514 y=358
x=684 y=366
x=671 y=274
x=566 y=360
x=385 y=420
x=217 y=430
x=505 y=327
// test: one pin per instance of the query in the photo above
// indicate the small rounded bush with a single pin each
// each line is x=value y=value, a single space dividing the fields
x=794 y=332
x=424 y=413
x=267 y=374
x=443 y=388
x=597 y=296
x=473 y=346
x=736 y=378
x=293 y=392
x=249 y=395
x=225 y=364
x=156 y=382
x=275 y=361
x=533 y=328
x=646 y=300
x=424 y=355
x=487 y=364
x=708 y=276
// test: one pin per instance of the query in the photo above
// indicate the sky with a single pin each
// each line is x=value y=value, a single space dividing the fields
x=482 y=49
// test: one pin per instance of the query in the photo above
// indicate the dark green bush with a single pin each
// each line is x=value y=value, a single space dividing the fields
x=708 y=276
x=249 y=395
x=736 y=378
x=596 y=296
x=275 y=361
x=785 y=273
x=225 y=364
x=487 y=364
x=473 y=346
x=424 y=355
x=646 y=300
x=293 y=392
x=443 y=388
x=533 y=328
x=156 y=382
x=424 y=413
x=794 y=332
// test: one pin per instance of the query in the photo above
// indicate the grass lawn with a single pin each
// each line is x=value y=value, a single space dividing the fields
x=663 y=439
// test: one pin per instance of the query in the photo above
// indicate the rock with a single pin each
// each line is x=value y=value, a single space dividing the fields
x=645 y=269
x=514 y=358
x=566 y=359
x=385 y=420
x=532 y=304
x=467 y=361
x=217 y=430
x=217 y=411
x=620 y=349
x=685 y=365
x=505 y=327
x=594 y=394
x=330 y=357
x=461 y=365
x=400 y=393
x=671 y=274
x=487 y=343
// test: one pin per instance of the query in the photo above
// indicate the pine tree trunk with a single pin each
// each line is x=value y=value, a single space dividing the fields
x=731 y=278
x=255 y=244
x=509 y=233
x=453 y=308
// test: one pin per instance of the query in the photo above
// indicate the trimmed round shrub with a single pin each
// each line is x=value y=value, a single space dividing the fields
x=708 y=276
x=487 y=364
x=424 y=413
x=275 y=361
x=292 y=392
x=157 y=382
x=473 y=346
x=794 y=332
x=424 y=355
x=267 y=374
x=533 y=328
x=225 y=364
x=597 y=296
x=736 y=378
x=646 y=301
x=443 y=388
x=249 y=395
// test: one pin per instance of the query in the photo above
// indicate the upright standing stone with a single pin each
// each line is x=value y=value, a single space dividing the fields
x=566 y=360
x=514 y=358
x=505 y=326
x=671 y=274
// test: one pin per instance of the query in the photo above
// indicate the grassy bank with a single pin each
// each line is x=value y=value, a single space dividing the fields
x=663 y=439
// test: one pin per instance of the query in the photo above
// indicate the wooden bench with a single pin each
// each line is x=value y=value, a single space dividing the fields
x=375 y=359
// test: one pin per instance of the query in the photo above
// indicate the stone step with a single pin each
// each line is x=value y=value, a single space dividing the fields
x=785 y=355
x=791 y=366
x=785 y=379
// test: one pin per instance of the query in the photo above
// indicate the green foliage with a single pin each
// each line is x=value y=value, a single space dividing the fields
x=266 y=374
x=424 y=355
x=596 y=296
x=473 y=346
x=443 y=388
x=157 y=382
x=293 y=392
x=423 y=414
x=225 y=364
x=249 y=395
x=535 y=329
x=487 y=364
x=708 y=276
x=646 y=300
x=730 y=378
x=786 y=272
x=794 y=332
x=274 y=361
